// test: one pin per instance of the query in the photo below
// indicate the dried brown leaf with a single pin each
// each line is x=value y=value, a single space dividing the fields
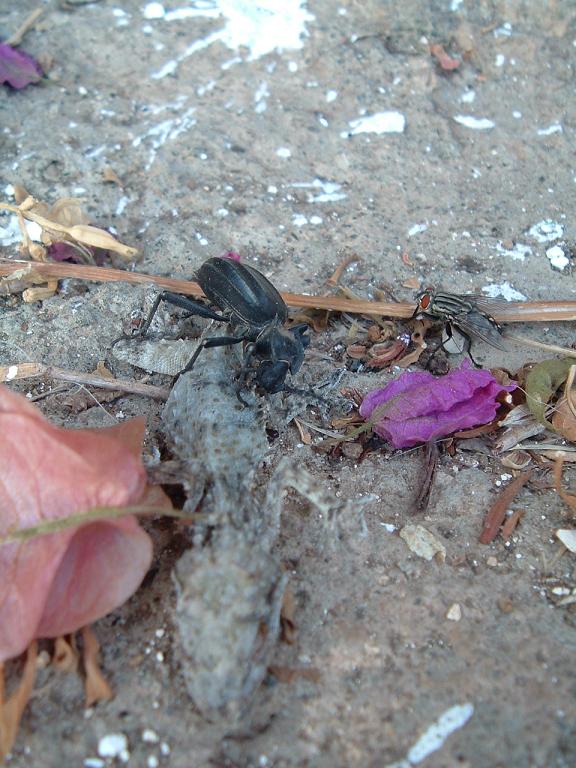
x=66 y=658
x=497 y=512
x=96 y=686
x=568 y=498
x=564 y=420
x=109 y=175
x=12 y=709
x=445 y=61
x=510 y=525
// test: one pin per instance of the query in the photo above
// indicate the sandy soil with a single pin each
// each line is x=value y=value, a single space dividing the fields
x=234 y=126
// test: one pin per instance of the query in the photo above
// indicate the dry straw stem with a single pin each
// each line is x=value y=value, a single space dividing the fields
x=29 y=22
x=32 y=370
x=515 y=312
x=81 y=233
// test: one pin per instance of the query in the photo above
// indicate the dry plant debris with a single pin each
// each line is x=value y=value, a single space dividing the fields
x=419 y=407
x=53 y=585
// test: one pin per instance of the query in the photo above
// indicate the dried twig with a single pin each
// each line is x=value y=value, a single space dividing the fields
x=497 y=511
x=514 y=312
x=553 y=348
x=29 y=22
x=334 y=279
x=31 y=370
x=431 y=454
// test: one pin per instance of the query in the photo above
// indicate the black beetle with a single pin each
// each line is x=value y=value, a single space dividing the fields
x=256 y=313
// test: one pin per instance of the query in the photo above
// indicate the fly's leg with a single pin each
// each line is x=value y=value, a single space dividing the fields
x=468 y=347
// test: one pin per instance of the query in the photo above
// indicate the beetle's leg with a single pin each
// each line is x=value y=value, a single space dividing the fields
x=245 y=370
x=213 y=341
x=191 y=305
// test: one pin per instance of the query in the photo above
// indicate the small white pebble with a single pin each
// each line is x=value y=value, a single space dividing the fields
x=165 y=749
x=150 y=736
x=152 y=761
x=492 y=561
x=160 y=633
x=160 y=656
x=154 y=11
x=284 y=152
x=454 y=612
x=112 y=745
x=94 y=762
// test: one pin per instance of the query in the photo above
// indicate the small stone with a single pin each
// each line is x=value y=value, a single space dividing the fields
x=454 y=612
x=150 y=736
x=423 y=543
x=352 y=450
x=505 y=604
x=492 y=561
x=112 y=745
x=568 y=537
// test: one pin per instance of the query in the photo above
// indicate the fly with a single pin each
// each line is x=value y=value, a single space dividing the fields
x=469 y=313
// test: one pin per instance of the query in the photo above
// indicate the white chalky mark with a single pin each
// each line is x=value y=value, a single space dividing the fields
x=417 y=229
x=546 y=230
x=261 y=26
x=435 y=736
x=153 y=11
x=390 y=121
x=557 y=257
x=475 y=123
x=112 y=745
x=554 y=128
x=505 y=290
x=10 y=234
x=518 y=252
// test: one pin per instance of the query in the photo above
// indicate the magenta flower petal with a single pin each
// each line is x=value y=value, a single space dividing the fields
x=17 y=68
x=419 y=407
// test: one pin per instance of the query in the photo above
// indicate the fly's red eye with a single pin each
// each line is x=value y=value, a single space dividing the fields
x=425 y=301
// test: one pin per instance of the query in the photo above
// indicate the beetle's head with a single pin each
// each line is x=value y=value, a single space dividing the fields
x=272 y=375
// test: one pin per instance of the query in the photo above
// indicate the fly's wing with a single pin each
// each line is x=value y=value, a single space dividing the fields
x=480 y=326
x=489 y=305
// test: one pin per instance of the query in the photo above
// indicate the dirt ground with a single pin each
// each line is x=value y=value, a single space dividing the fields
x=239 y=125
